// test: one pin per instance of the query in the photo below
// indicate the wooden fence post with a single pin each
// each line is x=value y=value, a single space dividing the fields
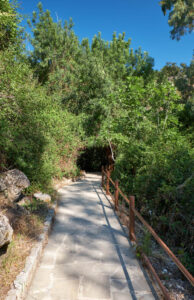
x=116 y=194
x=102 y=176
x=132 y=219
x=107 y=181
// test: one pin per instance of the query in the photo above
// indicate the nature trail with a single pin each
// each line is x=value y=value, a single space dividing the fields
x=88 y=255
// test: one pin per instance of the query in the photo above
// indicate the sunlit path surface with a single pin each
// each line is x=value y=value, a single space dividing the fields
x=88 y=255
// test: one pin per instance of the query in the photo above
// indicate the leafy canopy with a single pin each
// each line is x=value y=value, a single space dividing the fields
x=181 y=16
x=9 y=21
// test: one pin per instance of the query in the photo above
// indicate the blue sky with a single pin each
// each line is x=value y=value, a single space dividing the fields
x=141 y=20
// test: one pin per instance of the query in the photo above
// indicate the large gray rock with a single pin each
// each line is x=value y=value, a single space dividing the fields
x=12 y=183
x=6 y=231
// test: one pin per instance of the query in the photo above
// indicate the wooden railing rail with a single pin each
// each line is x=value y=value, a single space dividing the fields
x=132 y=213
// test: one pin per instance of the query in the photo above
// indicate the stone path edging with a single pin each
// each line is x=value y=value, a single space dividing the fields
x=23 y=279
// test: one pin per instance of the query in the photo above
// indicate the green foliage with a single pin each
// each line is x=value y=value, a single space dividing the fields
x=183 y=78
x=153 y=156
x=9 y=22
x=66 y=95
x=146 y=246
x=35 y=131
x=80 y=75
x=186 y=259
x=54 y=45
x=180 y=17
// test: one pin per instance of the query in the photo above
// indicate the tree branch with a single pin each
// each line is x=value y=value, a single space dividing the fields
x=111 y=150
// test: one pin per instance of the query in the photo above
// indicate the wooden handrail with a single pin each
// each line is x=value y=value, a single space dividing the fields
x=112 y=182
x=123 y=195
x=151 y=268
x=165 y=247
x=134 y=212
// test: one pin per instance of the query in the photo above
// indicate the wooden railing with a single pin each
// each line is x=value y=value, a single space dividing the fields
x=106 y=180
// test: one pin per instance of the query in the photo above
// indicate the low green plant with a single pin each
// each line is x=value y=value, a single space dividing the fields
x=146 y=243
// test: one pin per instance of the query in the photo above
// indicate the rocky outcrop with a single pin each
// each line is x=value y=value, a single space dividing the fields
x=42 y=197
x=12 y=183
x=6 y=231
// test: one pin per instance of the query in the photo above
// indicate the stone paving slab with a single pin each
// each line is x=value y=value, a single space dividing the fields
x=88 y=255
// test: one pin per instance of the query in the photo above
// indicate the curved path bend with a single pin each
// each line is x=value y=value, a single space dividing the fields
x=88 y=255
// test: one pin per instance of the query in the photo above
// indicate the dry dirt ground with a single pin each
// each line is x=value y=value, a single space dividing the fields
x=27 y=225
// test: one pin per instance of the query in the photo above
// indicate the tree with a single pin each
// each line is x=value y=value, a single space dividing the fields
x=9 y=20
x=183 y=78
x=55 y=45
x=181 y=16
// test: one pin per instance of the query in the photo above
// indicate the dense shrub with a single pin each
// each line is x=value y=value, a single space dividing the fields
x=35 y=130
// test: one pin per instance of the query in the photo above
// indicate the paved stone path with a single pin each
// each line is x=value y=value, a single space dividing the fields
x=88 y=255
